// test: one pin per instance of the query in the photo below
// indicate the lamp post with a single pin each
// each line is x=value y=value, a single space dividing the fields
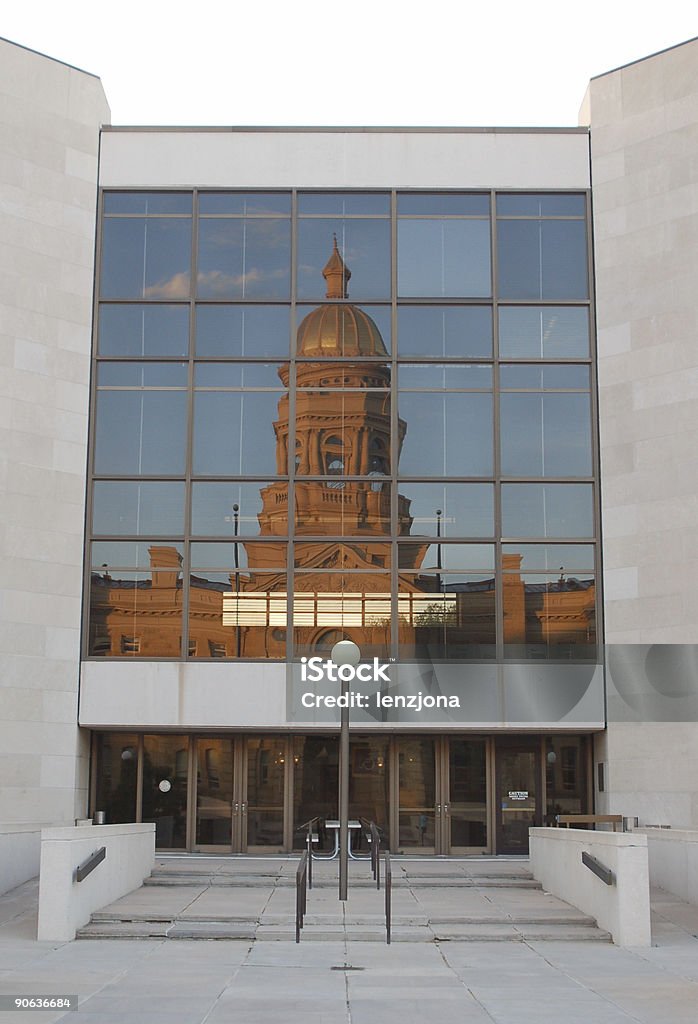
x=346 y=652
x=236 y=525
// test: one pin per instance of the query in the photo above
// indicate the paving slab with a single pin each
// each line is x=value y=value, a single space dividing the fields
x=344 y=978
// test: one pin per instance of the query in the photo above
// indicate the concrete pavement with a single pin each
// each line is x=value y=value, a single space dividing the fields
x=353 y=982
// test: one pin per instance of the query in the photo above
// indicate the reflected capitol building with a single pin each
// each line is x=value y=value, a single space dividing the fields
x=341 y=587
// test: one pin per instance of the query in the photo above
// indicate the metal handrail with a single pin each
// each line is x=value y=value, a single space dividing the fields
x=599 y=869
x=88 y=866
x=301 y=893
x=388 y=897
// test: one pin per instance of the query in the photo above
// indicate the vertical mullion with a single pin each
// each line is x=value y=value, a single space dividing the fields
x=188 y=468
x=498 y=580
x=291 y=445
x=394 y=438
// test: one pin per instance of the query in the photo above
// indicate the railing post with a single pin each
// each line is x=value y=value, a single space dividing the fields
x=388 y=896
x=301 y=893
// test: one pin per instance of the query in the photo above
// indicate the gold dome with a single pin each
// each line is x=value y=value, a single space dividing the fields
x=334 y=330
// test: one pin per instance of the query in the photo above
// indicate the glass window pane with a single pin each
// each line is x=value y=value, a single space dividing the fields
x=532 y=376
x=245 y=203
x=357 y=605
x=441 y=204
x=146 y=259
x=244 y=259
x=240 y=375
x=234 y=434
x=236 y=331
x=143 y=375
x=446 y=435
x=133 y=554
x=433 y=558
x=449 y=375
x=547 y=510
x=117 y=773
x=542 y=259
x=440 y=617
x=343 y=330
x=140 y=432
x=344 y=203
x=545 y=332
x=334 y=554
x=355 y=439
x=445 y=331
x=364 y=246
x=549 y=617
x=243 y=555
x=549 y=557
x=131 y=330
x=355 y=376
x=444 y=257
x=147 y=203
x=541 y=205
x=166 y=759
x=346 y=508
x=243 y=621
x=453 y=510
x=137 y=614
x=262 y=509
x=545 y=434
x=123 y=507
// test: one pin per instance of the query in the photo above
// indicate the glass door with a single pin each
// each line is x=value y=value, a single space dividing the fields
x=417 y=794
x=465 y=796
x=262 y=803
x=518 y=799
x=216 y=799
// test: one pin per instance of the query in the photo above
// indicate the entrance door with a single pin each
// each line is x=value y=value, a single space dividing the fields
x=218 y=826
x=262 y=802
x=418 y=806
x=518 y=802
x=465 y=796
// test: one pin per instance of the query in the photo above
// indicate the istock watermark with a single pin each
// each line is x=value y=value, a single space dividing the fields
x=314 y=670
x=375 y=674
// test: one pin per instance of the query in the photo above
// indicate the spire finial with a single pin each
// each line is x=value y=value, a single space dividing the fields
x=336 y=273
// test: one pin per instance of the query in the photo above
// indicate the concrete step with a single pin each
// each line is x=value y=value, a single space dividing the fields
x=319 y=882
x=324 y=932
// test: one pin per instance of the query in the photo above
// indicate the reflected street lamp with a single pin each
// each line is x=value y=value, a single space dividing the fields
x=439 y=513
x=236 y=526
x=346 y=652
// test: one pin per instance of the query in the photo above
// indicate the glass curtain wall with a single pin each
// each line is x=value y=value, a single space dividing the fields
x=386 y=434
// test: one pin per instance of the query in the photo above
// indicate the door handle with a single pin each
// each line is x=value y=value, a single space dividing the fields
x=445 y=808
x=244 y=807
x=438 y=808
x=236 y=807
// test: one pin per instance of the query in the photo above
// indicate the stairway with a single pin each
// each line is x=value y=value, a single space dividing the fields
x=433 y=901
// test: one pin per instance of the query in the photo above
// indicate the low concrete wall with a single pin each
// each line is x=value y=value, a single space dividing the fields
x=673 y=860
x=20 y=850
x=64 y=904
x=623 y=909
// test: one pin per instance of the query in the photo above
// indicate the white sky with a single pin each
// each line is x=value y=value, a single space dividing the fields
x=354 y=62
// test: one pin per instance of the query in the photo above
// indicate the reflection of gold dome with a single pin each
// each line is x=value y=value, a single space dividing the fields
x=339 y=330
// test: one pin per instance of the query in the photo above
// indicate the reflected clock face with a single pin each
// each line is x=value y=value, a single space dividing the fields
x=165 y=786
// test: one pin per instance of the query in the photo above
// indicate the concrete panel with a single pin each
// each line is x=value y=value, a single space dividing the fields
x=49 y=118
x=20 y=852
x=66 y=904
x=622 y=908
x=341 y=158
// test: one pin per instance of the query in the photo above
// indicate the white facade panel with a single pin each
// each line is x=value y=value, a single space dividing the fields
x=345 y=159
